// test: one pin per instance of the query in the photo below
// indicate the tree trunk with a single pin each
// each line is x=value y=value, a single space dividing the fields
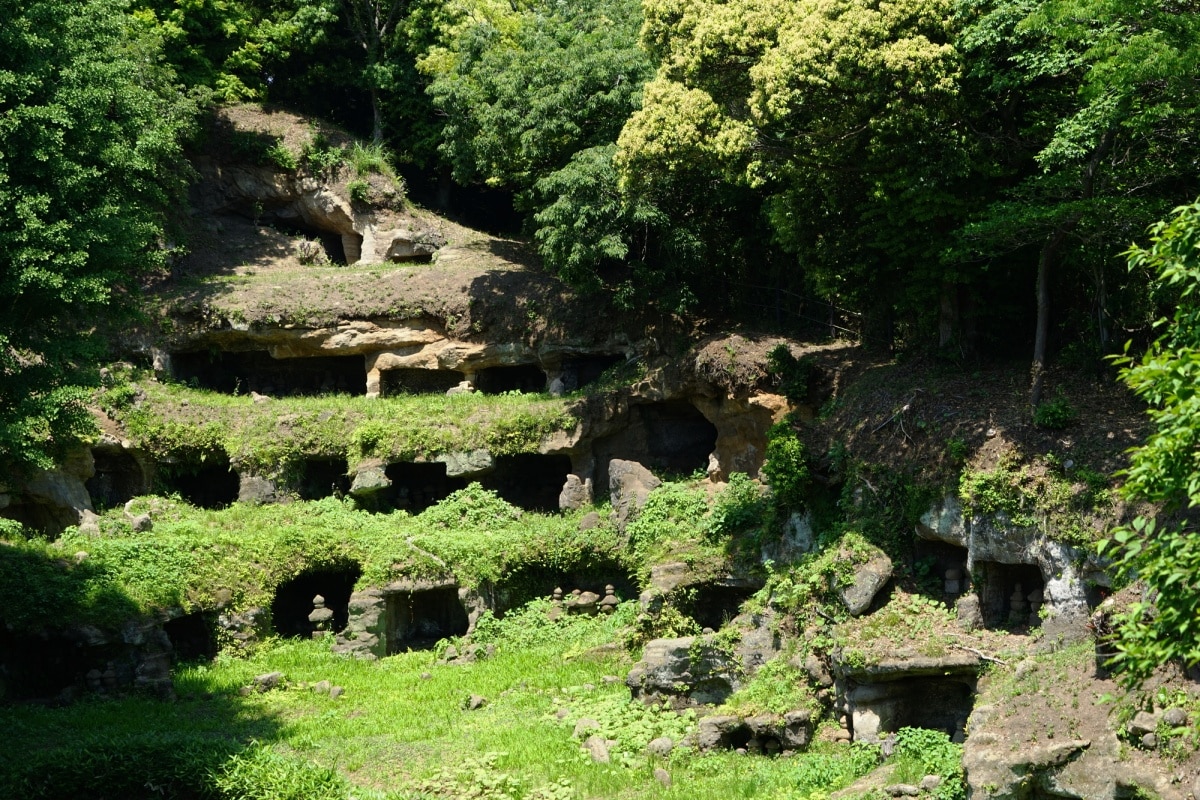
x=1037 y=372
x=377 y=118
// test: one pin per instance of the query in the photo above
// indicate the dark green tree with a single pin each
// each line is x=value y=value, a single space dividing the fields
x=1087 y=110
x=90 y=128
x=520 y=103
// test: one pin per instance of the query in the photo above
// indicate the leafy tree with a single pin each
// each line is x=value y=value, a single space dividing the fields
x=90 y=128
x=1165 y=470
x=841 y=112
x=1087 y=109
x=523 y=93
x=237 y=48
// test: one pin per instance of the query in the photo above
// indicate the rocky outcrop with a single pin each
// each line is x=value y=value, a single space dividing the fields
x=1095 y=769
x=867 y=581
x=691 y=670
x=629 y=484
x=51 y=500
x=994 y=538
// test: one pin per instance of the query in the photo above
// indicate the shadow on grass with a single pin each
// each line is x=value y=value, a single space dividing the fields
x=124 y=744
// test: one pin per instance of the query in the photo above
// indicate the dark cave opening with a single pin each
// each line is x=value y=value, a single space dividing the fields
x=323 y=477
x=417 y=486
x=525 y=378
x=418 y=620
x=38 y=667
x=712 y=605
x=940 y=569
x=530 y=481
x=933 y=703
x=257 y=371
x=672 y=436
x=118 y=479
x=580 y=371
x=1010 y=595
x=405 y=380
x=192 y=637
x=209 y=483
x=537 y=581
x=293 y=601
x=332 y=245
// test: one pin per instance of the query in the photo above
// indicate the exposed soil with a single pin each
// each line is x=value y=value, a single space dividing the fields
x=236 y=270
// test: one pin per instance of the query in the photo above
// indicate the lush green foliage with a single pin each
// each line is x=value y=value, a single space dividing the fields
x=786 y=469
x=1164 y=553
x=176 y=420
x=192 y=555
x=89 y=158
x=920 y=752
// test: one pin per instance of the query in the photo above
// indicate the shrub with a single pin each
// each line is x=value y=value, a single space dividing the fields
x=310 y=252
x=1055 y=414
x=786 y=469
x=920 y=752
x=792 y=373
x=739 y=507
x=360 y=190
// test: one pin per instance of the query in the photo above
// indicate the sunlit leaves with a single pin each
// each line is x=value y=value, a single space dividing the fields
x=1166 y=468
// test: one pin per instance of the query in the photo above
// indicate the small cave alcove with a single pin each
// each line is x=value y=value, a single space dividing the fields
x=323 y=477
x=210 y=483
x=293 y=600
x=334 y=246
x=712 y=605
x=672 y=436
x=192 y=637
x=406 y=380
x=38 y=667
x=529 y=480
x=118 y=479
x=526 y=378
x=533 y=582
x=417 y=486
x=1010 y=595
x=941 y=703
x=583 y=370
x=940 y=568
x=417 y=620
x=258 y=371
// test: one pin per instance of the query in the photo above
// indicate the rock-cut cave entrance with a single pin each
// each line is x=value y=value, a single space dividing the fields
x=1010 y=595
x=537 y=581
x=583 y=370
x=672 y=436
x=207 y=482
x=258 y=371
x=418 y=485
x=529 y=480
x=940 y=569
x=38 y=667
x=192 y=637
x=337 y=248
x=407 y=380
x=118 y=479
x=293 y=601
x=941 y=703
x=417 y=620
x=526 y=378
x=323 y=477
x=712 y=605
